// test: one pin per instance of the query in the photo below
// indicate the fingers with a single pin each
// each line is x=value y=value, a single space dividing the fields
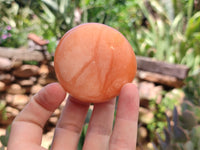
x=28 y=126
x=100 y=126
x=69 y=126
x=125 y=130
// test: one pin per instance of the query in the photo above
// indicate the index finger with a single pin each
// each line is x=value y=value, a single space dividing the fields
x=27 y=128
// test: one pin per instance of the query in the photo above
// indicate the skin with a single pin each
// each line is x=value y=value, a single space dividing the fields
x=27 y=128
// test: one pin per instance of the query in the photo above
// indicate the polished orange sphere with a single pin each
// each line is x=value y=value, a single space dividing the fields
x=93 y=61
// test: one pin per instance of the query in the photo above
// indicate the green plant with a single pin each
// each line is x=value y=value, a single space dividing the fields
x=172 y=39
x=4 y=138
x=192 y=88
x=184 y=132
x=169 y=100
x=120 y=14
x=57 y=16
x=3 y=110
x=21 y=19
x=5 y=34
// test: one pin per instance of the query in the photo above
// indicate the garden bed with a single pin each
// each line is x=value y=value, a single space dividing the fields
x=23 y=75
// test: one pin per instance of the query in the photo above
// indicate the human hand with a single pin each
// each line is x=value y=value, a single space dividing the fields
x=27 y=128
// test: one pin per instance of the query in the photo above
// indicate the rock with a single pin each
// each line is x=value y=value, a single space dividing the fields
x=5 y=63
x=26 y=82
x=16 y=89
x=150 y=146
x=56 y=113
x=17 y=101
x=142 y=133
x=145 y=89
x=149 y=91
x=2 y=86
x=20 y=100
x=9 y=98
x=6 y=78
x=157 y=93
x=12 y=111
x=53 y=120
x=47 y=139
x=34 y=79
x=145 y=116
x=16 y=63
x=36 y=88
x=43 y=69
x=46 y=80
x=52 y=73
x=26 y=71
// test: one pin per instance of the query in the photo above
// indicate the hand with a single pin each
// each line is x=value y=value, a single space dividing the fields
x=27 y=128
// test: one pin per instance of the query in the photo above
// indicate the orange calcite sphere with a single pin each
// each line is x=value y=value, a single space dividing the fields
x=93 y=61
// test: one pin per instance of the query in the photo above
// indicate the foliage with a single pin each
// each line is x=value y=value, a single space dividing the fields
x=184 y=133
x=82 y=137
x=168 y=102
x=4 y=138
x=20 y=22
x=173 y=40
x=3 y=110
x=57 y=16
x=166 y=30
x=192 y=88
x=5 y=32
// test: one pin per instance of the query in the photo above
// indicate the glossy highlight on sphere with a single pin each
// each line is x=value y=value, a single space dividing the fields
x=93 y=61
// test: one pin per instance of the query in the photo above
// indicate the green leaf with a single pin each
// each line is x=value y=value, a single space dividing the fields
x=188 y=120
x=4 y=138
x=190 y=8
x=49 y=15
x=2 y=148
x=193 y=25
x=195 y=135
x=179 y=134
x=89 y=113
x=177 y=22
x=82 y=137
x=62 y=6
x=157 y=6
x=52 y=4
x=175 y=117
x=189 y=145
x=161 y=28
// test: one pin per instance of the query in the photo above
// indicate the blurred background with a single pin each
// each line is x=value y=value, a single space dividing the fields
x=165 y=36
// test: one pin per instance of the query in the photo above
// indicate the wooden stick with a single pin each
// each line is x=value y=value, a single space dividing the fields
x=23 y=54
x=150 y=65
x=159 y=78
